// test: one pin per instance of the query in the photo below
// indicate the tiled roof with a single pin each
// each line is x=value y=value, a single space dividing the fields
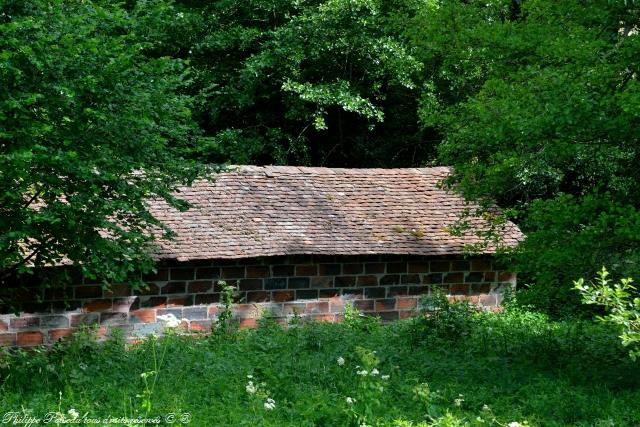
x=282 y=210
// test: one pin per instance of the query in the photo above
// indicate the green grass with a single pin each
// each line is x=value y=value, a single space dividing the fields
x=453 y=368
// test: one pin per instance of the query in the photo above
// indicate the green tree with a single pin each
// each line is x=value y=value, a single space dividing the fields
x=89 y=129
x=313 y=82
x=537 y=102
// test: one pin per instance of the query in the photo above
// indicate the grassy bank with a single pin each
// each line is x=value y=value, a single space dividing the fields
x=455 y=368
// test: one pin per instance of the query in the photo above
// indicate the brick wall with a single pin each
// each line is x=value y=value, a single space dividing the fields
x=316 y=288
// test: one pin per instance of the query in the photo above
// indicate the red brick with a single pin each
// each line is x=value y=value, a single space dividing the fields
x=336 y=305
x=418 y=267
x=29 y=338
x=480 y=265
x=321 y=282
x=487 y=300
x=489 y=276
x=283 y=270
x=183 y=273
x=207 y=299
x=120 y=290
x=143 y=315
x=459 y=289
x=201 y=325
x=257 y=271
x=323 y=317
x=200 y=286
x=180 y=301
x=7 y=339
x=407 y=314
x=97 y=305
x=84 y=319
x=232 y=272
x=149 y=289
x=352 y=268
x=124 y=305
x=329 y=293
x=248 y=323
x=460 y=265
x=453 y=278
x=246 y=310
x=250 y=284
x=174 y=288
x=329 y=269
x=212 y=311
x=88 y=291
x=385 y=304
x=306 y=270
x=161 y=275
x=208 y=273
x=387 y=316
x=282 y=296
x=24 y=322
x=3 y=326
x=258 y=296
x=406 y=303
x=291 y=308
x=364 y=305
x=367 y=281
x=374 y=268
x=58 y=334
x=396 y=267
x=439 y=266
x=505 y=276
x=317 y=307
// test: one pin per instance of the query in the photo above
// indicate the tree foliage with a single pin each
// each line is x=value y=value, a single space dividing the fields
x=306 y=82
x=537 y=102
x=89 y=129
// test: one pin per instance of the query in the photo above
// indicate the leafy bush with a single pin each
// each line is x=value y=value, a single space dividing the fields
x=622 y=302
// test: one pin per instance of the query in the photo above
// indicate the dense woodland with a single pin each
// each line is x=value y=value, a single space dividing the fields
x=536 y=104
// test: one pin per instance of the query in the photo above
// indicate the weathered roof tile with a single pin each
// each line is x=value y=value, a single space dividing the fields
x=284 y=210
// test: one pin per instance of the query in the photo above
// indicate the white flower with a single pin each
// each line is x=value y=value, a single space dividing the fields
x=458 y=402
x=74 y=414
x=250 y=376
x=269 y=404
x=180 y=15
x=340 y=361
x=514 y=424
x=170 y=321
x=351 y=400
x=486 y=408
x=363 y=373
x=385 y=377
x=251 y=388
x=374 y=372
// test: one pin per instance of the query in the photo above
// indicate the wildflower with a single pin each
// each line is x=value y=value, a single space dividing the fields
x=363 y=373
x=170 y=321
x=385 y=377
x=514 y=424
x=270 y=404
x=250 y=376
x=340 y=361
x=73 y=413
x=458 y=401
x=351 y=400
x=251 y=388
x=374 y=372
x=486 y=408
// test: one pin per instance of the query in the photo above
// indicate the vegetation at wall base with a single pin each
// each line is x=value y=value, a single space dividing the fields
x=461 y=367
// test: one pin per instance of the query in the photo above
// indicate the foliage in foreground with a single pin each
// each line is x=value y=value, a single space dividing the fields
x=457 y=368
x=623 y=308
